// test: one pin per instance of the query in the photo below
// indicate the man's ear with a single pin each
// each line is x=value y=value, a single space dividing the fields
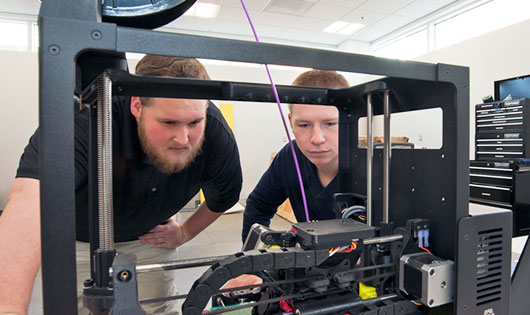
x=136 y=107
x=290 y=120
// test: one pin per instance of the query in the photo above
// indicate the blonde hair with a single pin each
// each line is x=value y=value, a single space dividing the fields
x=321 y=78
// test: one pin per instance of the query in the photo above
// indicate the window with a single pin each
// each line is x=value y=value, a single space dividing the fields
x=407 y=47
x=456 y=22
x=485 y=18
x=34 y=37
x=14 y=35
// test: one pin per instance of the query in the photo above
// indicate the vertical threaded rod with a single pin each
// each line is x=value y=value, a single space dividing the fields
x=104 y=136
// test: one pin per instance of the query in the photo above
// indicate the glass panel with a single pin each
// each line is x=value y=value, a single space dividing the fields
x=34 y=37
x=14 y=35
x=418 y=129
x=406 y=48
x=480 y=20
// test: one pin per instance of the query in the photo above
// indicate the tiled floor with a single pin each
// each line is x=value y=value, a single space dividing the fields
x=223 y=237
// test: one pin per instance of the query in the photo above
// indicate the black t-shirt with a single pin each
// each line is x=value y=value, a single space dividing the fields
x=144 y=197
x=280 y=182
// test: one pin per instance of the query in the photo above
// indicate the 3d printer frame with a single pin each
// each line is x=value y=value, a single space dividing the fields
x=71 y=28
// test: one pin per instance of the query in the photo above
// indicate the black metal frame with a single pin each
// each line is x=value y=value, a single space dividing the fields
x=69 y=28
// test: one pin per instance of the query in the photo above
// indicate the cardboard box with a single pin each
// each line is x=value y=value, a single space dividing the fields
x=285 y=210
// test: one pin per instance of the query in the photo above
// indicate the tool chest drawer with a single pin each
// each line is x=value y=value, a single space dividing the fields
x=501 y=137
x=497 y=180
x=515 y=147
x=502 y=143
x=491 y=155
x=491 y=192
x=502 y=125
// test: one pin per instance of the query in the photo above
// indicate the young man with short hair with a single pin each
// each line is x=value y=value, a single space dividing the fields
x=316 y=130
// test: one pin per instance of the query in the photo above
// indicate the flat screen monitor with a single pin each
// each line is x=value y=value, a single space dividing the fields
x=517 y=87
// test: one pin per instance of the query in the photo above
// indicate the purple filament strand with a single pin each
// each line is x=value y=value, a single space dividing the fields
x=283 y=118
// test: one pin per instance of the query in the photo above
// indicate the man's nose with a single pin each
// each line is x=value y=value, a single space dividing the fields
x=317 y=136
x=181 y=136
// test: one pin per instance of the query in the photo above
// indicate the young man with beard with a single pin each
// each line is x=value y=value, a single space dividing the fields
x=164 y=151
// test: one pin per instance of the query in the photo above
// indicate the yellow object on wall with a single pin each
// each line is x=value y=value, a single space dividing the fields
x=228 y=113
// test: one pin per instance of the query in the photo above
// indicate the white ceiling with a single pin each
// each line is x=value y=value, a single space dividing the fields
x=305 y=26
x=300 y=21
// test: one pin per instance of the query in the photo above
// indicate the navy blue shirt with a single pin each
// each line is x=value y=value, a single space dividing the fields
x=143 y=196
x=280 y=182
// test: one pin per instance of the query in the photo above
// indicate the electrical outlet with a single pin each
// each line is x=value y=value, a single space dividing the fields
x=420 y=136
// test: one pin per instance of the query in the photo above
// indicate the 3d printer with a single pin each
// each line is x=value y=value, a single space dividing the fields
x=332 y=267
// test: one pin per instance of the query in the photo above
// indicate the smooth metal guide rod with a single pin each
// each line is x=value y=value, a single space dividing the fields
x=104 y=151
x=369 y=158
x=387 y=154
x=383 y=239
x=324 y=308
x=180 y=264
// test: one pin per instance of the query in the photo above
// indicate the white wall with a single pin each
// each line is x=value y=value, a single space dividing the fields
x=498 y=55
x=18 y=112
x=425 y=132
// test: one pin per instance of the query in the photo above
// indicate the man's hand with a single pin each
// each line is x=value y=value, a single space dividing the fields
x=242 y=281
x=170 y=234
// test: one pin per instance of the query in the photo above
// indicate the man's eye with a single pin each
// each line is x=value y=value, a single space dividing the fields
x=303 y=125
x=331 y=124
x=195 y=123
x=168 y=123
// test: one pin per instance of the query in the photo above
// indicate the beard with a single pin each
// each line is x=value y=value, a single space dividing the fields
x=162 y=158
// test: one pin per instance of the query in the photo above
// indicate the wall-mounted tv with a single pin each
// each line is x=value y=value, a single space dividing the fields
x=517 y=87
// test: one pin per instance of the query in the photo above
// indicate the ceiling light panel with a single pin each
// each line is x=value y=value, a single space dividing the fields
x=335 y=27
x=206 y=10
x=351 y=28
x=203 y=10
x=310 y=24
x=293 y=7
